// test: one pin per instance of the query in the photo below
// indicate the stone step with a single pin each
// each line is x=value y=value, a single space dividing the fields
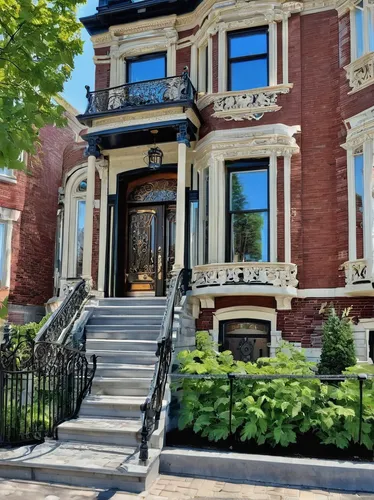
x=111 y=431
x=120 y=328
x=136 y=301
x=121 y=345
x=129 y=310
x=121 y=386
x=111 y=406
x=123 y=335
x=81 y=464
x=124 y=357
x=124 y=371
x=133 y=319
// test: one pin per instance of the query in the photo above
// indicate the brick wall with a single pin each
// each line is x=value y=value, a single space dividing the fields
x=33 y=238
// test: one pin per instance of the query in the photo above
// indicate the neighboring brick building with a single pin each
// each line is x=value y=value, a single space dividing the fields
x=276 y=146
x=28 y=205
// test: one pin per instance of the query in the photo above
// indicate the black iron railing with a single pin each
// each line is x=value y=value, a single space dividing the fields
x=41 y=385
x=62 y=319
x=242 y=395
x=134 y=95
x=152 y=407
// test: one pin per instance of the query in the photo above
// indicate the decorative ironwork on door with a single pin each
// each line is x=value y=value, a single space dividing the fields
x=142 y=247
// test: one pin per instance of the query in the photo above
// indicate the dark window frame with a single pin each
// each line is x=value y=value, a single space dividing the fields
x=245 y=166
x=144 y=57
x=231 y=60
x=222 y=330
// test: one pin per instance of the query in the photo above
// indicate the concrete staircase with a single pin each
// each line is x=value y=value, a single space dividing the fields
x=99 y=449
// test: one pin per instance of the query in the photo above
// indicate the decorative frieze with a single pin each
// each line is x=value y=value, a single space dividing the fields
x=250 y=273
x=244 y=105
x=360 y=72
x=356 y=272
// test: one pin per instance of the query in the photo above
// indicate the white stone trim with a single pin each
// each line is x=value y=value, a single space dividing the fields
x=102 y=168
x=68 y=265
x=273 y=207
x=287 y=208
x=285 y=49
x=248 y=312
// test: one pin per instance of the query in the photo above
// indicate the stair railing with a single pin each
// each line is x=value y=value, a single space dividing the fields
x=152 y=406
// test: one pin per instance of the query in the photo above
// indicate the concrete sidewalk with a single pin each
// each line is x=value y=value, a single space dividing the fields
x=166 y=487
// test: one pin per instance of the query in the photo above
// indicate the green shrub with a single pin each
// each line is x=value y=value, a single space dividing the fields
x=30 y=330
x=274 y=411
x=338 y=348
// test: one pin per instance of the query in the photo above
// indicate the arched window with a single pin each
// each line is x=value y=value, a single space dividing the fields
x=79 y=214
x=158 y=190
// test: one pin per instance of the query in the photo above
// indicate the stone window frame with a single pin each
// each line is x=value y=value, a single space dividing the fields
x=268 y=141
x=70 y=219
x=360 y=137
x=368 y=9
x=8 y=217
x=8 y=175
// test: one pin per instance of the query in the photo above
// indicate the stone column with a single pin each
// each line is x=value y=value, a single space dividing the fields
x=368 y=214
x=183 y=143
x=92 y=151
x=102 y=168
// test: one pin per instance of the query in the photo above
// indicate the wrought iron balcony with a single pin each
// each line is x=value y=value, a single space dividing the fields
x=132 y=96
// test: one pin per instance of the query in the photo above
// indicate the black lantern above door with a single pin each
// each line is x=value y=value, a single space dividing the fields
x=155 y=155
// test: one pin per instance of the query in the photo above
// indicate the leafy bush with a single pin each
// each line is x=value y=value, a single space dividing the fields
x=273 y=411
x=28 y=331
x=338 y=348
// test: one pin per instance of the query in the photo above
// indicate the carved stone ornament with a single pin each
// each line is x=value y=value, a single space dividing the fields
x=360 y=73
x=244 y=105
x=264 y=273
x=356 y=272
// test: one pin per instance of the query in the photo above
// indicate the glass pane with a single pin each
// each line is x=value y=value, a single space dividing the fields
x=249 y=190
x=206 y=216
x=2 y=254
x=247 y=75
x=159 y=190
x=6 y=171
x=80 y=236
x=249 y=237
x=170 y=241
x=194 y=233
x=359 y=17
x=248 y=44
x=359 y=190
x=371 y=29
x=146 y=69
x=142 y=248
x=247 y=340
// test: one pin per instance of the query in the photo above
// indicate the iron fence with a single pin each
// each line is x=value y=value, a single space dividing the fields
x=41 y=385
x=235 y=387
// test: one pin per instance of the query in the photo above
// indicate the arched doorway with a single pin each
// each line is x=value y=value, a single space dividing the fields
x=150 y=234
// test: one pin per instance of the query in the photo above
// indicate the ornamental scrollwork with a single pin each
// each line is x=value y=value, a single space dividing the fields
x=356 y=272
x=281 y=275
x=361 y=72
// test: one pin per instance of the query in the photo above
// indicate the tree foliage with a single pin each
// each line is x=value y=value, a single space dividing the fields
x=270 y=411
x=38 y=42
x=338 y=348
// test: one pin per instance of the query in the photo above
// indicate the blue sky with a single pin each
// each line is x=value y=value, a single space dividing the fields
x=84 y=71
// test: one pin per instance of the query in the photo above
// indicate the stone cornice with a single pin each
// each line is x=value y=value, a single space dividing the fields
x=360 y=128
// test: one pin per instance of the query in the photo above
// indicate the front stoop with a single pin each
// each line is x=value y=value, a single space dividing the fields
x=269 y=470
x=100 y=448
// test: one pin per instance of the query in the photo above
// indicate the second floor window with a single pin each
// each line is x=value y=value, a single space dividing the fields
x=248 y=59
x=248 y=214
x=359 y=193
x=363 y=19
x=148 y=67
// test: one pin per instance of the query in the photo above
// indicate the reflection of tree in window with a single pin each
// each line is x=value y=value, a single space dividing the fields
x=249 y=216
x=247 y=227
x=80 y=236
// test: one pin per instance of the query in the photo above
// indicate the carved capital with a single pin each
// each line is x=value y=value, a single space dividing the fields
x=102 y=166
x=92 y=148
x=183 y=135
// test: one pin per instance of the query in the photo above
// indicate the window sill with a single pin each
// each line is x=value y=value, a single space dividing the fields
x=360 y=72
x=7 y=179
x=244 y=104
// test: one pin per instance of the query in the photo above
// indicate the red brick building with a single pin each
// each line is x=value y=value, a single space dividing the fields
x=265 y=186
x=28 y=205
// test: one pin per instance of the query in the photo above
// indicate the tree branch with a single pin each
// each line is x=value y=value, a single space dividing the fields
x=11 y=62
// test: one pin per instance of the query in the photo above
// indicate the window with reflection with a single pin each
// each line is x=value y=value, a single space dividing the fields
x=3 y=254
x=363 y=21
x=80 y=215
x=147 y=67
x=248 y=59
x=247 y=339
x=248 y=226
x=359 y=193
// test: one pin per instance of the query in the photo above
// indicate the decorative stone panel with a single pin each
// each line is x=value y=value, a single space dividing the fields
x=360 y=73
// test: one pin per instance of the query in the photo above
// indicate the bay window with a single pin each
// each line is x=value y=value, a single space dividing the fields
x=248 y=59
x=359 y=201
x=248 y=214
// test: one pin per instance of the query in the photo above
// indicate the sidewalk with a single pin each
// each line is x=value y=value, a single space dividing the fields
x=166 y=487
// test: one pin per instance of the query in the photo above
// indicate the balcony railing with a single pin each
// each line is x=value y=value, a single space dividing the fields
x=357 y=272
x=142 y=94
x=249 y=273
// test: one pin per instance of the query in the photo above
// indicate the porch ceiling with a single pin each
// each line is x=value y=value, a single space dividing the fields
x=140 y=135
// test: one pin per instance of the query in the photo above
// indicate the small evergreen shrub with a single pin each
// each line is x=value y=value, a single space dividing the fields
x=338 y=348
